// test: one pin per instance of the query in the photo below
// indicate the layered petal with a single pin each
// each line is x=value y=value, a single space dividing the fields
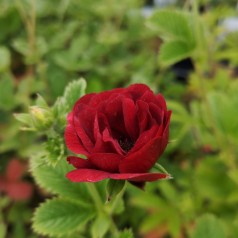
x=137 y=90
x=130 y=118
x=161 y=102
x=83 y=120
x=106 y=161
x=113 y=112
x=86 y=140
x=122 y=132
x=144 y=138
x=145 y=119
x=142 y=160
x=73 y=142
x=79 y=163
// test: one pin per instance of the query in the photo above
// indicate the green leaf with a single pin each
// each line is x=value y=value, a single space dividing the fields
x=208 y=226
x=173 y=51
x=173 y=25
x=58 y=217
x=114 y=187
x=7 y=100
x=64 y=104
x=100 y=226
x=54 y=180
x=25 y=118
x=5 y=59
x=3 y=230
x=40 y=101
x=126 y=234
x=74 y=91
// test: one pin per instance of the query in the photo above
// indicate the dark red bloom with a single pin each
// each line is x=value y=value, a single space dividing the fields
x=122 y=132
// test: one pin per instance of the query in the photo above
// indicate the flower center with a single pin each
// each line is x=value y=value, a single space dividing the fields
x=126 y=144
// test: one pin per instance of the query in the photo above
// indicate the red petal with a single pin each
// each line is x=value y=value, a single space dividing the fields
x=79 y=163
x=106 y=161
x=149 y=97
x=113 y=112
x=130 y=118
x=85 y=99
x=144 y=138
x=92 y=175
x=107 y=138
x=140 y=177
x=145 y=119
x=142 y=160
x=73 y=142
x=105 y=142
x=70 y=118
x=161 y=101
x=83 y=121
x=157 y=113
x=137 y=90
x=87 y=175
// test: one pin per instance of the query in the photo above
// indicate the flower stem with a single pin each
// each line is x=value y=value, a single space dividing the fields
x=101 y=208
x=95 y=196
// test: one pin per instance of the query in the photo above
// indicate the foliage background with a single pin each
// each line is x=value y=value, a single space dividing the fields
x=187 y=52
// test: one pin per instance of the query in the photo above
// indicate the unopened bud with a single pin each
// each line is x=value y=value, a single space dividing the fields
x=42 y=117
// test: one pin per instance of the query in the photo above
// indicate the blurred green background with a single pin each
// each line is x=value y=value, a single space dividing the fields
x=187 y=50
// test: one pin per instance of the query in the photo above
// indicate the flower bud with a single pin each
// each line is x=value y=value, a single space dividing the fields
x=42 y=117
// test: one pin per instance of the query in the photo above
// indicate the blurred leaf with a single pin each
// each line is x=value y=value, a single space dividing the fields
x=58 y=217
x=173 y=51
x=151 y=222
x=173 y=25
x=7 y=101
x=100 y=226
x=5 y=58
x=208 y=226
x=3 y=230
x=24 y=118
x=40 y=101
x=31 y=55
x=21 y=46
x=169 y=192
x=74 y=91
x=175 y=29
x=63 y=105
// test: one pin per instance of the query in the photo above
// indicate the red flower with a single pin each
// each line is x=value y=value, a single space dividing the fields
x=11 y=183
x=122 y=132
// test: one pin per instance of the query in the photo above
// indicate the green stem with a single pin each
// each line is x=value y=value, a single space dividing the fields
x=101 y=208
x=95 y=196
